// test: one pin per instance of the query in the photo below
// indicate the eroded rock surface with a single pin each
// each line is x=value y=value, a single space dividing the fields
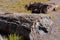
x=31 y=26
x=40 y=7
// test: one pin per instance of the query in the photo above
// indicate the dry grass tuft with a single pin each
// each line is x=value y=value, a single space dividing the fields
x=16 y=5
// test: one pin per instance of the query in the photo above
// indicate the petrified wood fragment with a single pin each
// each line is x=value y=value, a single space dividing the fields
x=40 y=7
x=28 y=25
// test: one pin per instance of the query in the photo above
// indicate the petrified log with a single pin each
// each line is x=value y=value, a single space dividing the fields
x=40 y=7
x=28 y=25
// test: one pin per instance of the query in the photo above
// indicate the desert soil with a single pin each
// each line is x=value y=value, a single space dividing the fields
x=55 y=33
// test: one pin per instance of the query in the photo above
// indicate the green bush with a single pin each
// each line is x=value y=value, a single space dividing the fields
x=14 y=37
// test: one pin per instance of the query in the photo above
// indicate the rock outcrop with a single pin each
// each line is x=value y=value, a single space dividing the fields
x=31 y=26
x=40 y=7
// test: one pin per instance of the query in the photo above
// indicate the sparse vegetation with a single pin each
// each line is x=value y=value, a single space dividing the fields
x=16 y=5
x=52 y=16
x=14 y=37
x=58 y=8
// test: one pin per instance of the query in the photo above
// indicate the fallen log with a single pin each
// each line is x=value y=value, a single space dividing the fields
x=26 y=24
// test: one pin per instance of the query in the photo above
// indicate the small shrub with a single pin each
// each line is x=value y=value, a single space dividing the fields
x=14 y=37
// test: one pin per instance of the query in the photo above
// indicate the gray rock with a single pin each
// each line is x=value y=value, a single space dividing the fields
x=31 y=26
x=1 y=38
x=41 y=28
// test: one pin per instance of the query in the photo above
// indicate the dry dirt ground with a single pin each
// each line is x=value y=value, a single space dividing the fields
x=56 y=27
x=55 y=33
